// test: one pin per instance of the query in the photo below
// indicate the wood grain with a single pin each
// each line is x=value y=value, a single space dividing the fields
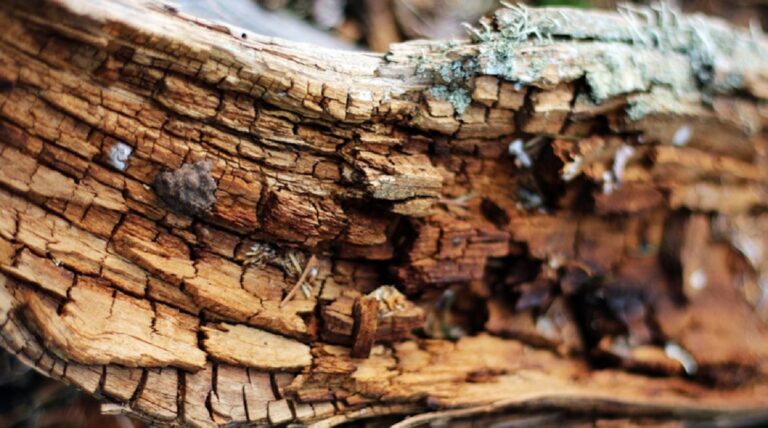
x=586 y=234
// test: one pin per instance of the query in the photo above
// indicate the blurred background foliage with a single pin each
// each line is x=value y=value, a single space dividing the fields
x=28 y=399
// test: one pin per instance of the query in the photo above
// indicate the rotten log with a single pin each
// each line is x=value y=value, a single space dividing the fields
x=565 y=212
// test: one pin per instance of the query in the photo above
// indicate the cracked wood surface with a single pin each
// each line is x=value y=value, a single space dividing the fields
x=593 y=217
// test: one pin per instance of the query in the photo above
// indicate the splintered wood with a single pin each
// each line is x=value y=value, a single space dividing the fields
x=207 y=230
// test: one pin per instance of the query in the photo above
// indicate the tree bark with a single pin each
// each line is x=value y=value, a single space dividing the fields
x=566 y=212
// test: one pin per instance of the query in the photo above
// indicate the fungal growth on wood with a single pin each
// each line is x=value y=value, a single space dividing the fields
x=188 y=190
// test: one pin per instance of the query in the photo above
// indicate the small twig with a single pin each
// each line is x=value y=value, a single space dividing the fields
x=306 y=289
x=307 y=269
x=294 y=261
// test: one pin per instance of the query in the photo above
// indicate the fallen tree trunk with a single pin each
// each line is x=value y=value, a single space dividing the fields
x=566 y=212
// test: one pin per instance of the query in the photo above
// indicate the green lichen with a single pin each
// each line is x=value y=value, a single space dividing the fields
x=659 y=99
x=663 y=27
x=459 y=71
x=516 y=26
x=499 y=38
x=499 y=59
x=495 y=56
x=458 y=97
x=706 y=42
x=615 y=72
x=719 y=56
x=454 y=79
x=423 y=66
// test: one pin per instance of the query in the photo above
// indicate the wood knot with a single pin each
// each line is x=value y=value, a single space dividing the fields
x=189 y=190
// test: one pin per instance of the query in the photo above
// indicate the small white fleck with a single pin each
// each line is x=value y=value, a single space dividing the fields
x=623 y=154
x=621 y=347
x=546 y=327
x=517 y=150
x=698 y=279
x=119 y=155
x=676 y=352
x=518 y=86
x=750 y=246
x=682 y=135
x=608 y=184
x=361 y=95
x=456 y=332
x=555 y=261
x=572 y=169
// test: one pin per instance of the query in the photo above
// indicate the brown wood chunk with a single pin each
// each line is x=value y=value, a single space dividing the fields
x=251 y=347
x=121 y=382
x=366 y=314
x=84 y=376
x=258 y=394
x=158 y=397
x=100 y=326
x=279 y=412
x=42 y=272
x=228 y=401
x=197 y=389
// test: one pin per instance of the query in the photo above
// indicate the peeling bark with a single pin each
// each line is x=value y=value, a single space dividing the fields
x=567 y=216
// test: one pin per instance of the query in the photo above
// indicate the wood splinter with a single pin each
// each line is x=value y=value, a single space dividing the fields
x=311 y=264
x=366 y=314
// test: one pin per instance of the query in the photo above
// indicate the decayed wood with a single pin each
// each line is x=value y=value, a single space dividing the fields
x=366 y=314
x=566 y=211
